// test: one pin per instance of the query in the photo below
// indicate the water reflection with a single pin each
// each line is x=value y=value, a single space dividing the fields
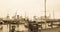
x=17 y=27
x=13 y=28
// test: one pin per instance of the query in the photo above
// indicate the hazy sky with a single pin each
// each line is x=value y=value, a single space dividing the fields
x=31 y=7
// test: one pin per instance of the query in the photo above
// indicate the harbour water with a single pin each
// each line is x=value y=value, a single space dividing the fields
x=21 y=27
x=5 y=28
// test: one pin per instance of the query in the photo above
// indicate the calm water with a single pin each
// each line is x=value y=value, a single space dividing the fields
x=6 y=28
x=18 y=28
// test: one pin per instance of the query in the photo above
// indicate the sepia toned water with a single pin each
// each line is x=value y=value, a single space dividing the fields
x=21 y=27
x=5 y=28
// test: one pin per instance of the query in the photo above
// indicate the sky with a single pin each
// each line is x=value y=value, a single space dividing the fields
x=29 y=7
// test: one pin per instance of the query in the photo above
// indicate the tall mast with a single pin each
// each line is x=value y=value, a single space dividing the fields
x=25 y=14
x=45 y=8
x=15 y=15
x=7 y=15
x=45 y=12
x=53 y=15
x=49 y=15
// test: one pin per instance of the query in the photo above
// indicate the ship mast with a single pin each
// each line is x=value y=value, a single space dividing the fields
x=25 y=14
x=15 y=15
x=45 y=12
x=53 y=15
